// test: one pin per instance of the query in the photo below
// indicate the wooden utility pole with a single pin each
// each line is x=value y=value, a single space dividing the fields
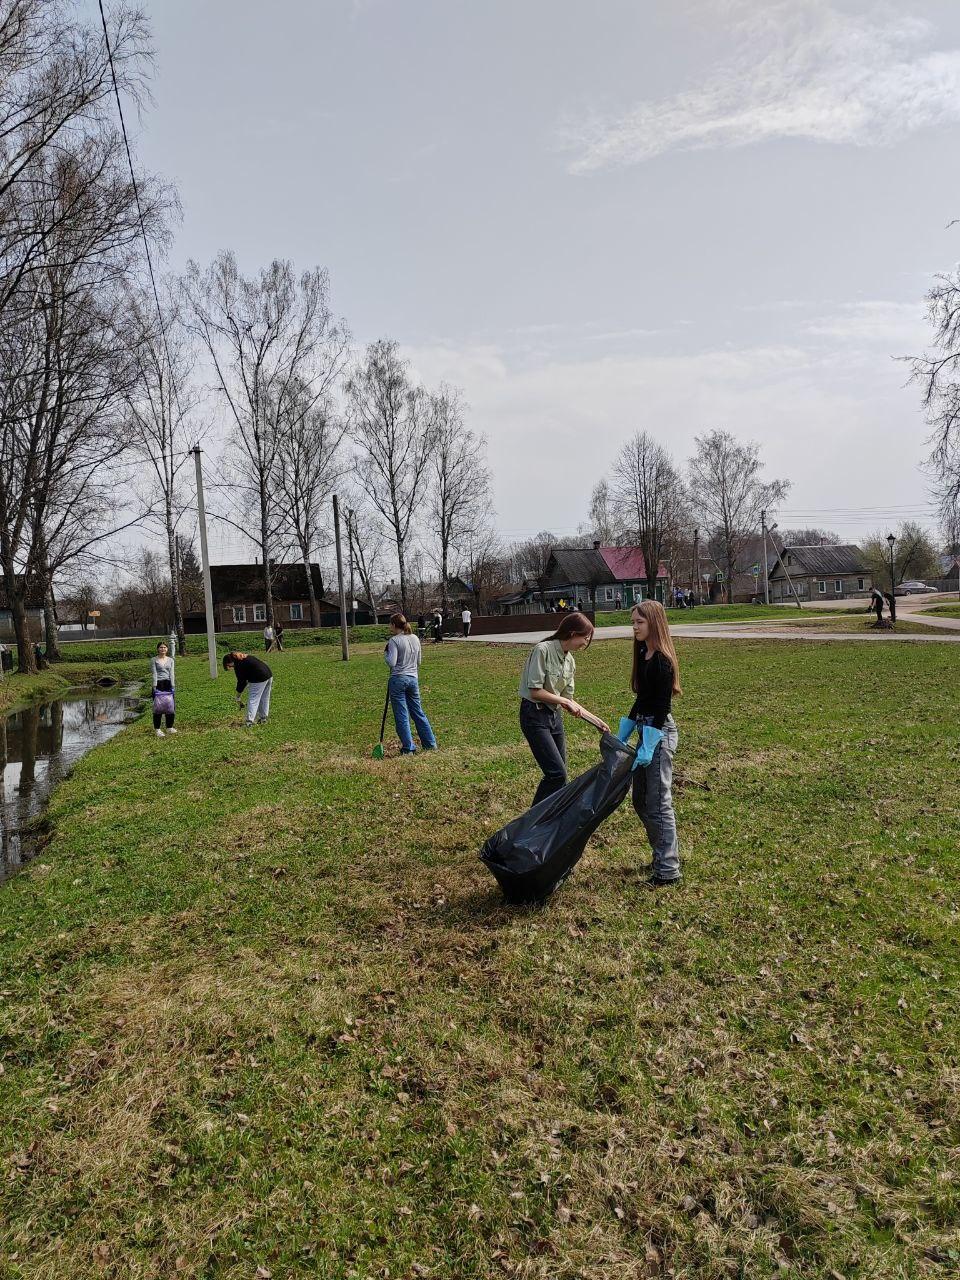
x=344 y=641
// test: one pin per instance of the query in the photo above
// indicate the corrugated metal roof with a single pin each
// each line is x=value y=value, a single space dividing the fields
x=825 y=560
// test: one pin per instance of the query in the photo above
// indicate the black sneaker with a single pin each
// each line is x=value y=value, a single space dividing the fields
x=659 y=882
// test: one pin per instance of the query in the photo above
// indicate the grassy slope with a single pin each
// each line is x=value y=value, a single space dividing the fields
x=16 y=689
x=944 y=610
x=263 y=1008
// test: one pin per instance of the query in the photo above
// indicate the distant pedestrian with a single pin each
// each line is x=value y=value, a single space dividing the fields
x=256 y=677
x=403 y=656
x=619 y=602
x=438 y=627
x=466 y=617
x=278 y=636
x=269 y=637
x=875 y=604
x=162 y=679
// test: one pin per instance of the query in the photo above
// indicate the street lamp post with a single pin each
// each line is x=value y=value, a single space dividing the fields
x=893 y=581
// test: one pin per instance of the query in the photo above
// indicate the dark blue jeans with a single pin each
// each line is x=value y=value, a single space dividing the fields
x=405 y=700
x=542 y=726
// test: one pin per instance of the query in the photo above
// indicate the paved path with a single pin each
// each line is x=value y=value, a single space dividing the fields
x=760 y=630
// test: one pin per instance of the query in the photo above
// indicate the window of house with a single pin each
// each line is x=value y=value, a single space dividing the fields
x=837 y=584
x=860 y=584
x=239 y=613
x=296 y=613
x=259 y=613
x=789 y=560
x=637 y=594
x=822 y=587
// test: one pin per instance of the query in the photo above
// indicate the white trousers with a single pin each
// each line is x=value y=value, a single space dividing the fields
x=258 y=700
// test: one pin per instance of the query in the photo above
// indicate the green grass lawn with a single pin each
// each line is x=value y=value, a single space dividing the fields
x=944 y=610
x=863 y=623
x=720 y=613
x=264 y=1014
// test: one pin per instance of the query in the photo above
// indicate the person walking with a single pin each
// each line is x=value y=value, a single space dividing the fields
x=162 y=679
x=545 y=688
x=655 y=680
x=466 y=617
x=256 y=677
x=269 y=637
x=403 y=656
x=278 y=636
x=438 y=627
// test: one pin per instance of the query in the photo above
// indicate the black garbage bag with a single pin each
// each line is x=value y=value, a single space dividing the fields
x=536 y=852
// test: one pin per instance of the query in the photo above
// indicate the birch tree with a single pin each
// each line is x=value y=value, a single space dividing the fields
x=390 y=424
x=460 y=482
x=728 y=493
x=276 y=351
x=647 y=490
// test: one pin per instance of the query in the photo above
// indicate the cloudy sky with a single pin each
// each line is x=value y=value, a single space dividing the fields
x=672 y=215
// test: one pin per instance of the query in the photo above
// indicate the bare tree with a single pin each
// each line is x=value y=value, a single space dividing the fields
x=161 y=408
x=63 y=364
x=460 y=488
x=276 y=351
x=605 y=525
x=67 y=222
x=809 y=537
x=311 y=462
x=390 y=423
x=368 y=541
x=646 y=487
x=728 y=493
x=938 y=374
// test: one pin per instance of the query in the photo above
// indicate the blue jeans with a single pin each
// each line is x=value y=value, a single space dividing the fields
x=405 y=700
x=653 y=801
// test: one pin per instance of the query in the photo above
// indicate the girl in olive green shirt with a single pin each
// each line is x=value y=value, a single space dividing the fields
x=546 y=687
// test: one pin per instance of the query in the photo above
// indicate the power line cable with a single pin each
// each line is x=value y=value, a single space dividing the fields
x=140 y=218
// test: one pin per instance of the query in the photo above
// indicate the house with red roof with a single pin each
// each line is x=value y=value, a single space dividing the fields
x=599 y=577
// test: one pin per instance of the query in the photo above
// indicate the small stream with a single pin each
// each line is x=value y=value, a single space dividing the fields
x=39 y=745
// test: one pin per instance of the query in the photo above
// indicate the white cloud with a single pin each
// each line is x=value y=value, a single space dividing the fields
x=901 y=327
x=837 y=421
x=805 y=71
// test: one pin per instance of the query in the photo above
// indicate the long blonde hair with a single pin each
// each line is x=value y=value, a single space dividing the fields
x=658 y=637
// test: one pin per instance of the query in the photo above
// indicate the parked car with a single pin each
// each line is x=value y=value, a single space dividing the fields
x=913 y=588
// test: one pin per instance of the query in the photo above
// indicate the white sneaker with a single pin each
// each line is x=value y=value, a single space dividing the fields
x=171 y=731
x=161 y=734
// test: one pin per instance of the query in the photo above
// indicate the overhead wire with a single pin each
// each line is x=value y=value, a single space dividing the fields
x=136 y=194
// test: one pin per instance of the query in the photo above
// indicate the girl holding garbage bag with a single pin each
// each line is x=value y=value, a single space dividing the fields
x=545 y=688
x=402 y=655
x=655 y=680
x=164 y=690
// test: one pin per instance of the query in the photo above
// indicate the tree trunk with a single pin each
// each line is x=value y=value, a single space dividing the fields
x=265 y=548
x=314 y=606
x=444 y=562
x=26 y=663
x=176 y=597
x=53 y=653
x=403 y=575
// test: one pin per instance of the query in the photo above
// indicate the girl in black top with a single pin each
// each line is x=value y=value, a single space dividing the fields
x=655 y=680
